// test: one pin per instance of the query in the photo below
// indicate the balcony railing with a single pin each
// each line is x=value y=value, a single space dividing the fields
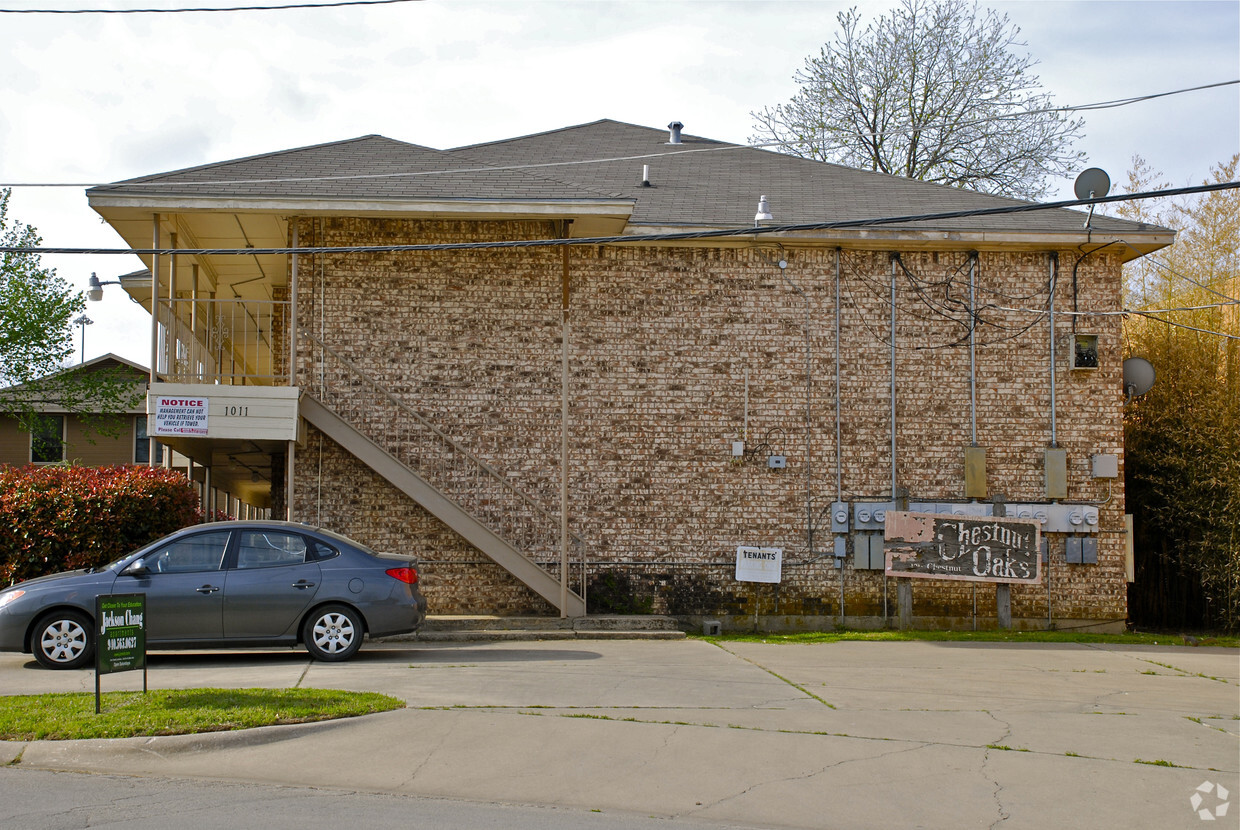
x=235 y=342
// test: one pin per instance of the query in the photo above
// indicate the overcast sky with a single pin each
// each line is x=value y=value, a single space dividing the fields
x=95 y=98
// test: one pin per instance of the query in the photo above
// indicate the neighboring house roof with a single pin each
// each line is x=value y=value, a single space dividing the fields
x=107 y=362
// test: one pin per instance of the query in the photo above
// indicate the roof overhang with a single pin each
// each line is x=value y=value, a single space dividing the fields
x=1128 y=246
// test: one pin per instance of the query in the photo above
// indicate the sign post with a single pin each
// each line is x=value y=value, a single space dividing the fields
x=121 y=642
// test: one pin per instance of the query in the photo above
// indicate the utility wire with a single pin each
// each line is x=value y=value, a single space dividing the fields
x=725 y=147
x=1184 y=326
x=191 y=10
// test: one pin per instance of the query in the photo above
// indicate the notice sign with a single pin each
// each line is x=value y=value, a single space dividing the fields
x=179 y=416
x=758 y=564
x=122 y=632
x=973 y=548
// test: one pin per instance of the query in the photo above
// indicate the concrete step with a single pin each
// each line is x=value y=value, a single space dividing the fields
x=443 y=628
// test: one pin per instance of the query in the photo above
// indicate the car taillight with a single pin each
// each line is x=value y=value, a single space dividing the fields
x=407 y=575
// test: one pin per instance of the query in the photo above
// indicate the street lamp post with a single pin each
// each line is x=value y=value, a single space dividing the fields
x=83 y=321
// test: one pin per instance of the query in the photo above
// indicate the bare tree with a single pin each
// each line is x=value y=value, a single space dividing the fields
x=934 y=91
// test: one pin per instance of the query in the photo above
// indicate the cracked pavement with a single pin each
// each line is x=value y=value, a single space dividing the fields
x=831 y=735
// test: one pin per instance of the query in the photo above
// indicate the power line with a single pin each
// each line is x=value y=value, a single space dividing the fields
x=572 y=163
x=330 y=4
x=1184 y=326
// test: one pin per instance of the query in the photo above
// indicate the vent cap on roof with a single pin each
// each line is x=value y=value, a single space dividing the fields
x=675 y=128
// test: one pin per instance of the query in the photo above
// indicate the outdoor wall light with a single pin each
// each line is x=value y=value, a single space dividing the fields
x=95 y=292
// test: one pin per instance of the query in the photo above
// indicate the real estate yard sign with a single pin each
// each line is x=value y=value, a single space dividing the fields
x=973 y=548
x=121 y=644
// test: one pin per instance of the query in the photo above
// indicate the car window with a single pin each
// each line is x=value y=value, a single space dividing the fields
x=270 y=549
x=200 y=552
x=322 y=551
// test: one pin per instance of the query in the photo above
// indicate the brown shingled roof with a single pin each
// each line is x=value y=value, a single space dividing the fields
x=701 y=182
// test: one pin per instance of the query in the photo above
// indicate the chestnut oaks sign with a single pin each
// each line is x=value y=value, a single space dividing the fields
x=973 y=548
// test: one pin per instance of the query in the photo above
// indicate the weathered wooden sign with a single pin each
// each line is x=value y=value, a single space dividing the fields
x=973 y=548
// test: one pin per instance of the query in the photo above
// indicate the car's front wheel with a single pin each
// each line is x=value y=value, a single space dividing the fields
x=63 y=640
x=333 y=633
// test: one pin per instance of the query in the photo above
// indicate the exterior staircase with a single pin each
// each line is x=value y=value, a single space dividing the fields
x=439 y=474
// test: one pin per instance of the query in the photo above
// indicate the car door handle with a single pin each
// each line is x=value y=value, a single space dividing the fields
x=301 y=583
x=207 y=589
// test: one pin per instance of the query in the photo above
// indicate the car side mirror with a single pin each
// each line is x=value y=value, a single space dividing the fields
x=136 y=568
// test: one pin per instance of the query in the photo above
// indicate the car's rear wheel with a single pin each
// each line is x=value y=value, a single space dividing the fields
x=63 y=640
x=332 y=633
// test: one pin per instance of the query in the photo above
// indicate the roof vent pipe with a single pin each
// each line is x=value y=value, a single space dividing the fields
x=675 y=127
x=645 y=175
x=764 y=212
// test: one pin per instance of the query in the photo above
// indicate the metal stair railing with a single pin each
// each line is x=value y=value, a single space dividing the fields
x=442 y=462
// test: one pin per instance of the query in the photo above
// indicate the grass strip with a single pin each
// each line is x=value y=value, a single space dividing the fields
x=1127 y=639
x=62 y=717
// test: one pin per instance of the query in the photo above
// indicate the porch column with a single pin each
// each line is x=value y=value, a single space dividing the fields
x=150 y=457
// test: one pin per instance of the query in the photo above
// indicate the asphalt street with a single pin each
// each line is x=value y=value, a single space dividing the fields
x=843 y=735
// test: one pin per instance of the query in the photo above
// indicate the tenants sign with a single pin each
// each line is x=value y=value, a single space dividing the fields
x=758 y=564
x=973 y=548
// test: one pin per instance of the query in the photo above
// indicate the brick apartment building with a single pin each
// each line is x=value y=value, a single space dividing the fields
x=576 y=359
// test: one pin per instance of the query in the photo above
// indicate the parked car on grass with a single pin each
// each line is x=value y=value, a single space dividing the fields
x=225 y=584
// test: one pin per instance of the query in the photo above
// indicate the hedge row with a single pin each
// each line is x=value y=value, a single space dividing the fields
x=58 y=518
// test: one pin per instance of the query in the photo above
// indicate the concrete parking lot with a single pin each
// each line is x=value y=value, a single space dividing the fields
x=842 y=735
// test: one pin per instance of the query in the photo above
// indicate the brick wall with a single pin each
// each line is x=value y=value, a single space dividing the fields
x=670 y=348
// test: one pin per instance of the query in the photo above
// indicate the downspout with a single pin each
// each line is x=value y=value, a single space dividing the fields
x=973 y=347
x=894 y=258
x=1053 y=276
x=564 y=334
x=1054 y=266
x=839 y=453
x=809 y=477
x=894 y=467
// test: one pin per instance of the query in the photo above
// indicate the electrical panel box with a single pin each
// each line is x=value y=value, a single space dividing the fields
x=1073 y=550
x=1056 y=474
x=1089 y=550
x=777 y=462
x=738 y=449
x=1105 y=465
x=1044 y=546
x=841 y=550
x=1085 y=351
x=868 y=554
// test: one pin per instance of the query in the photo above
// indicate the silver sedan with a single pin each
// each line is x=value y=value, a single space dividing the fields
x=225 y=584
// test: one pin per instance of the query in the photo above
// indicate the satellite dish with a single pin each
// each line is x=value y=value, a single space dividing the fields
x=1138 y=376
x=1093 y=183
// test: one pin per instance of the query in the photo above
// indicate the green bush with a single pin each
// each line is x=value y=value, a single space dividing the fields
x=59 y=518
